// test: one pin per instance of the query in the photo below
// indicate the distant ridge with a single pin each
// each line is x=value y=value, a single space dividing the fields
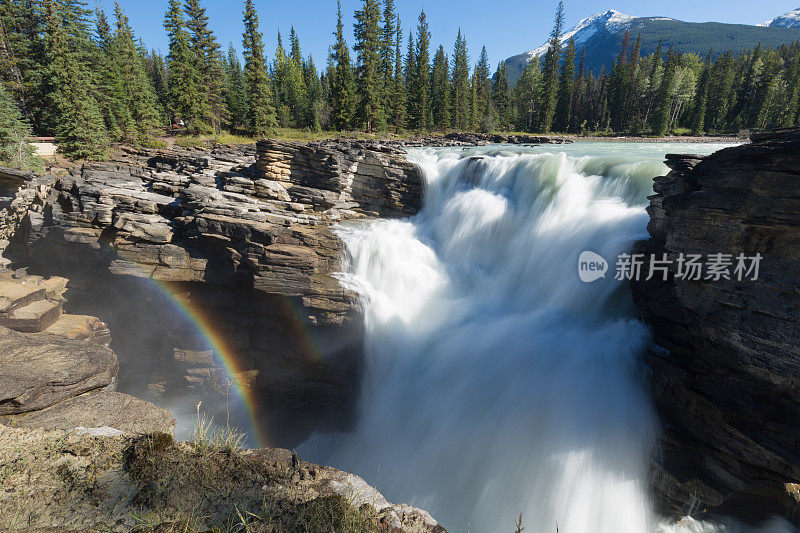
x=601 y=35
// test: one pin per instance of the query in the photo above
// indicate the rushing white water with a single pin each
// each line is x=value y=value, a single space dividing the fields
x=498 y=383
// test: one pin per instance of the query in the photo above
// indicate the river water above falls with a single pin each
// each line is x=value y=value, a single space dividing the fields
x=497 y=382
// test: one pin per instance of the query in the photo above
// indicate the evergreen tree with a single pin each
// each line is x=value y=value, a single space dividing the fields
x=260 y=106
x=186 y=99
x=617 y=87
x=295 y=87
x=108 y=88
x=236 y=92
x=656 y=71
x=770 y=105
x=341 y=80
x=159 y=78
x=662 y=116
x=793 y=88
x=634 y=85
x=369 y=74
x=550 y=73
x=280 y=79
x=701 y=98
x=317 y=113
x=388 y=37
x=15 y=151
x=398 y=94
x=566 y=86
x=578 y=97
x=440 y=90
x=482 y=89
x=206 y=53
x=720 y=89
x=742 y=113
x=501 y=97
x=136 y=91
x=78 y=124
x=294 y=43
x=421 y=117
x=461 y=87
x=410 y=76
x=526 y=93
x=23 y=65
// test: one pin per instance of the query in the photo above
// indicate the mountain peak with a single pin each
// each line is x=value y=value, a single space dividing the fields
x=617 y=15
x=787 y=20
x=610 y=21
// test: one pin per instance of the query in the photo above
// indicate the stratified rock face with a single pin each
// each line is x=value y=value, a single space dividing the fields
x=728 y=384
x=350 y=177
x=56 y=369
x=192 y=218
x=248 y=247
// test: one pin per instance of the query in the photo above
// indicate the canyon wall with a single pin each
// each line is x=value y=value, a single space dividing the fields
x=726 y=372
x=246 y=245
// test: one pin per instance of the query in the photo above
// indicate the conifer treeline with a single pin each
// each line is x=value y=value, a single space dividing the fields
x=68 y=71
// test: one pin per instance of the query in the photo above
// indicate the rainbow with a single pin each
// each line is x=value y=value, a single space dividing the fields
x=223 y=353
x=298 y=329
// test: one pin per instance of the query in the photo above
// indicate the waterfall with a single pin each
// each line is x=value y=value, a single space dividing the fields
x=496 y=381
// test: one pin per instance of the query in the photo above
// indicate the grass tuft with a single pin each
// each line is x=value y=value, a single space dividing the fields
x=207 y=437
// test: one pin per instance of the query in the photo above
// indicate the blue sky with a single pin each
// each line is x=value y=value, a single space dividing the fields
x=505 y=27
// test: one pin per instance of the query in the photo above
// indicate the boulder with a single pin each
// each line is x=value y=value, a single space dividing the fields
x=41 y=370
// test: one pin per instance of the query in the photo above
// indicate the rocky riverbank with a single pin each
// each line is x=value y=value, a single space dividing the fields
x=243 y=237
x=247 y=246
x=727 y=374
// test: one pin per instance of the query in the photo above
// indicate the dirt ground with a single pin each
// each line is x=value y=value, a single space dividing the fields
x=60 y=481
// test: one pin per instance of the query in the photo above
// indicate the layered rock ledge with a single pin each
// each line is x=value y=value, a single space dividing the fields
x=248 y=245
x=56 y=369
x=727 y=374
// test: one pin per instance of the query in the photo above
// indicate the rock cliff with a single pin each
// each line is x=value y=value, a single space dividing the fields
x=726 y=375
x=248 y=246
x=349 y=178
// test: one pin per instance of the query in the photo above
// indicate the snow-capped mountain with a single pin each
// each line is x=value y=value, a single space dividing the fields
x=787 y=20
x=598 y=27
x=611 y=21
x=600 y=36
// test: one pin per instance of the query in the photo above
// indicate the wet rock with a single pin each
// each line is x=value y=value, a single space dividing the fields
x=727 y=382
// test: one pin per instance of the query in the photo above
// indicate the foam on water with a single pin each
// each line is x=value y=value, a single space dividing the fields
x=496 y=382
